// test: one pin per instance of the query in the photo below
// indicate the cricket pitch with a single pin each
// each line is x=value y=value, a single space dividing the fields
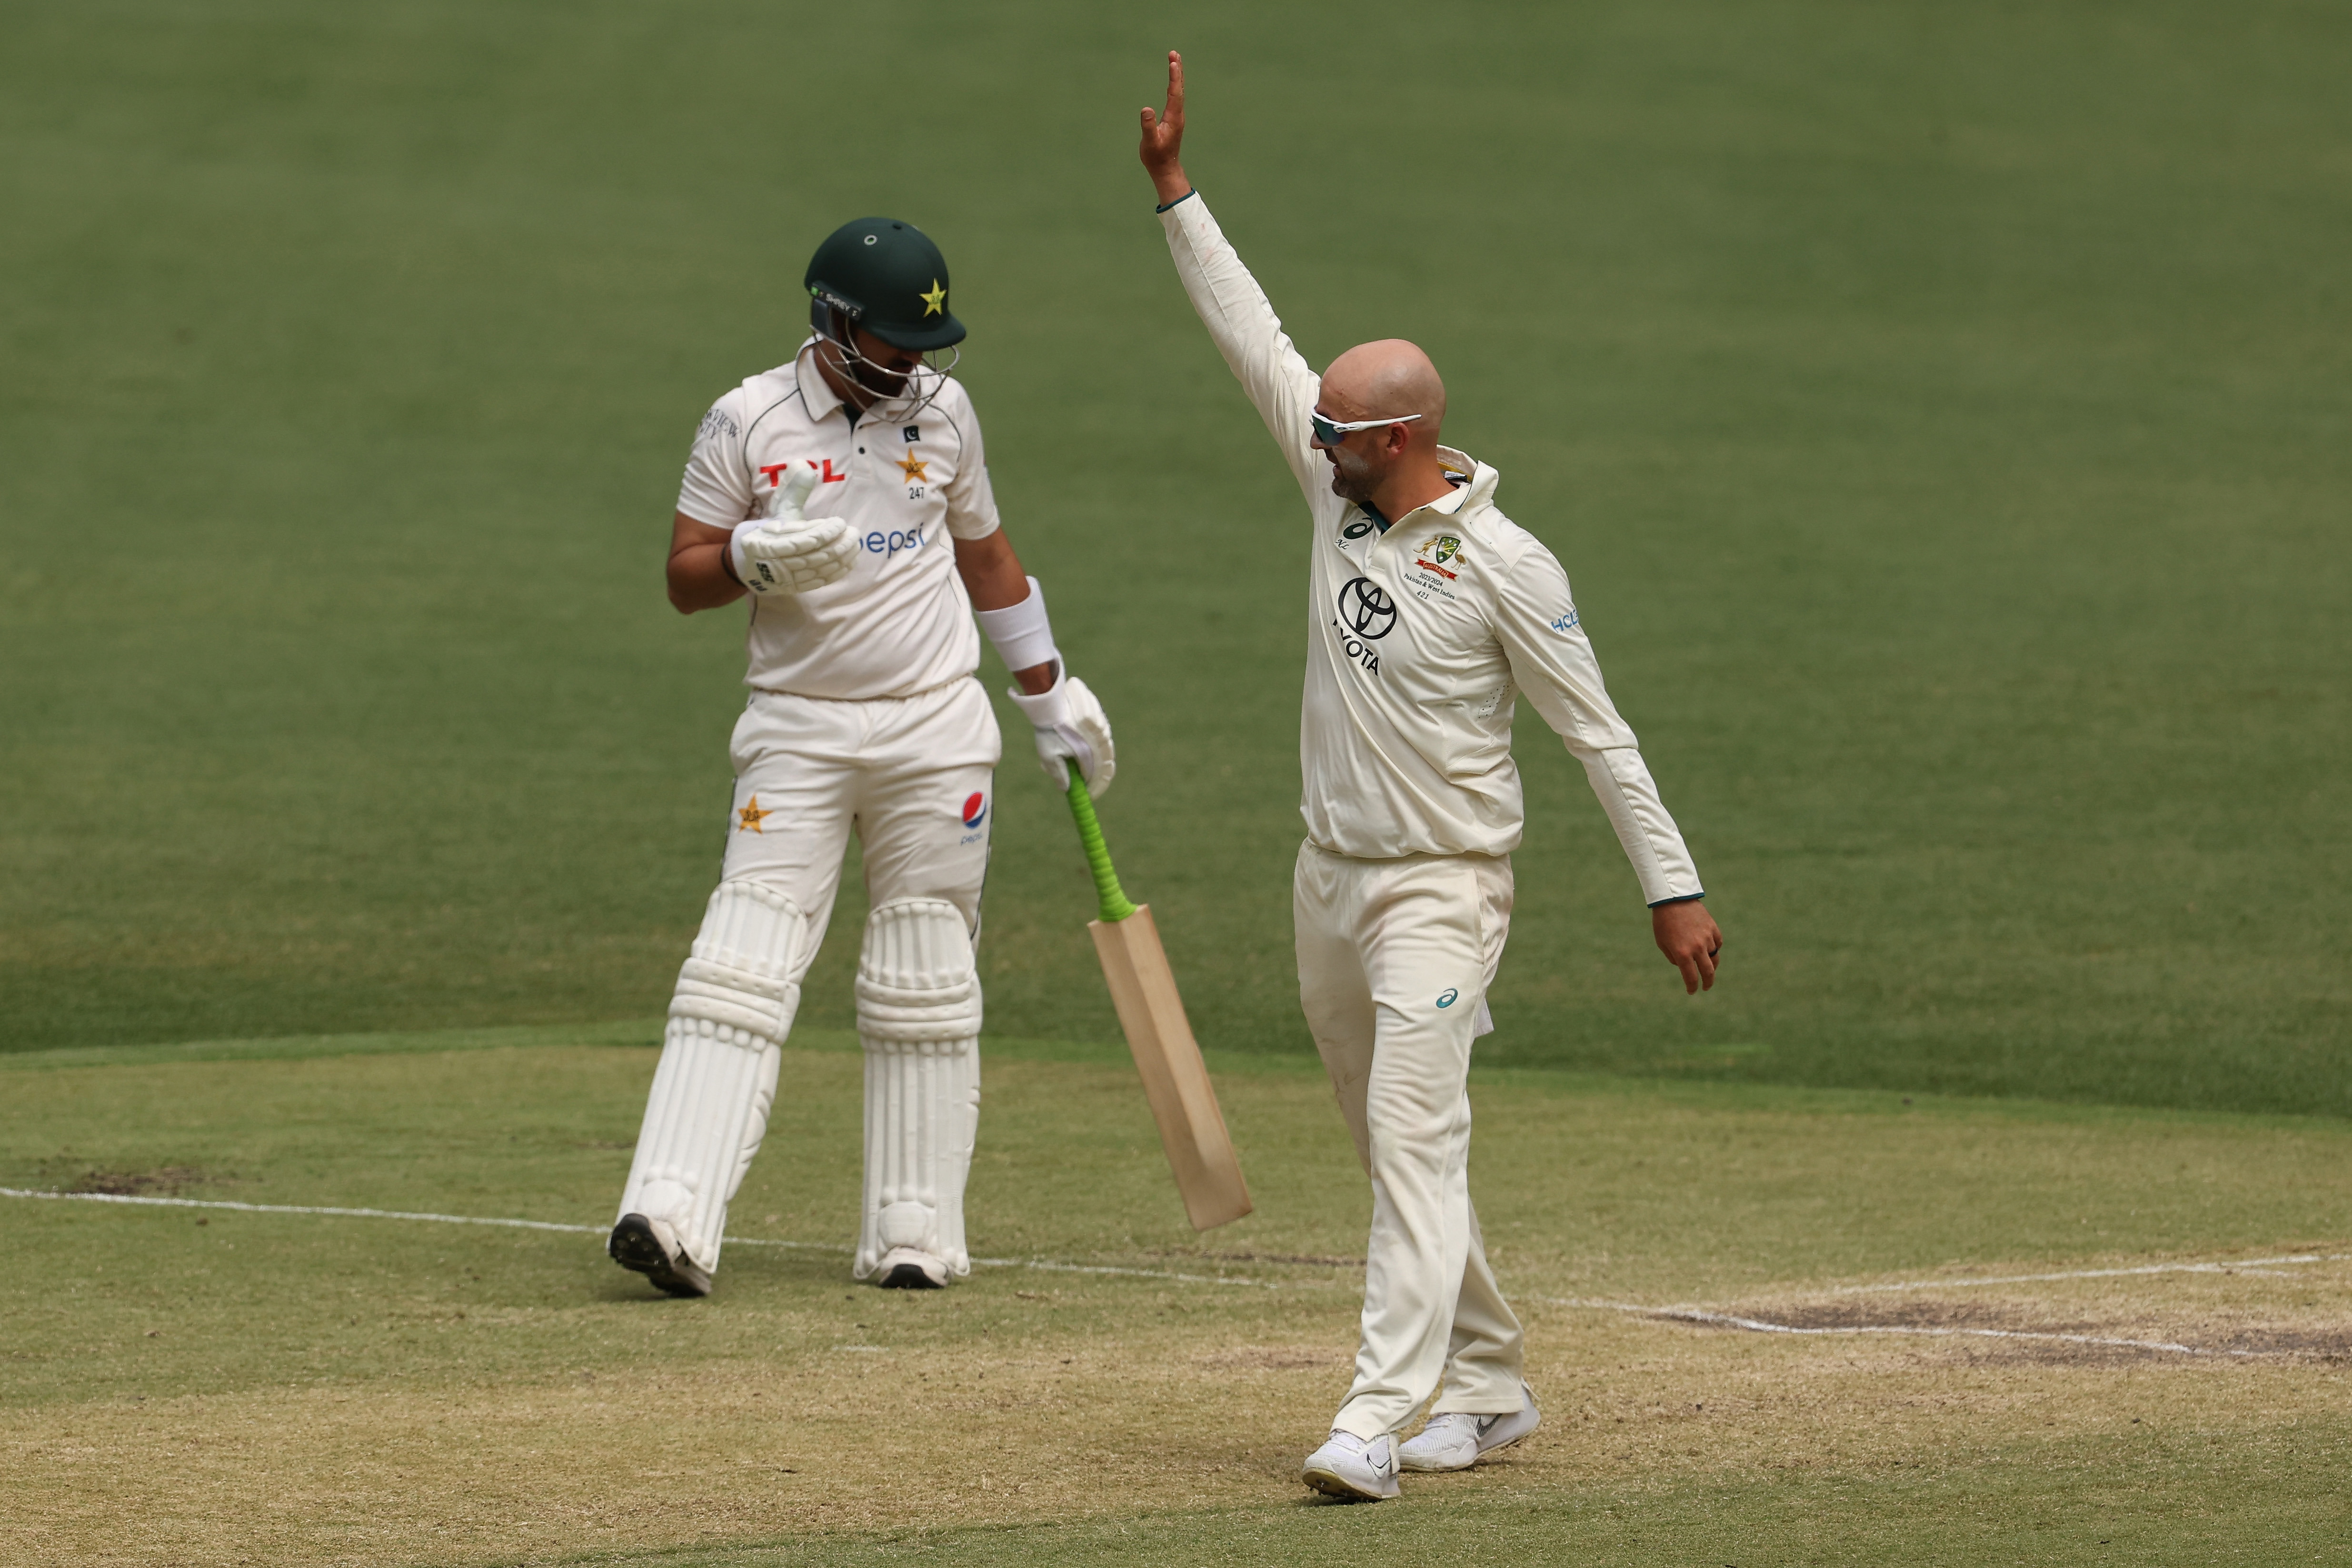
x=209 y=1386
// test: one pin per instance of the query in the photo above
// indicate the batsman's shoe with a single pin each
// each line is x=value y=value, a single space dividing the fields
x=1459 y=1439
x=1350 y=1467
x=651 y=1248
x=904 y=1268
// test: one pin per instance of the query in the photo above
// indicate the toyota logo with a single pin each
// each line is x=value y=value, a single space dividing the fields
x=1365 y=610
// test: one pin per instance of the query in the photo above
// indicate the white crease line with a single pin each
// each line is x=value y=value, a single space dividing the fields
x=2249 y=1263
x=297 y=1208
x=1050 y=1264
x=1040 y=1263
x=1759 y=1325
x=1053 y=1266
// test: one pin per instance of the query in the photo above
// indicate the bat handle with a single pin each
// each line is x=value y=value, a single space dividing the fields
x=1115 y=905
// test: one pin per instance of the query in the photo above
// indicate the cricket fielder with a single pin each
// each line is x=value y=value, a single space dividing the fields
x=1429 y=613
x=847 y=494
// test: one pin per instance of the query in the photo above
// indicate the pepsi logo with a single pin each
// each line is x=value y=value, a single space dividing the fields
x=975 y=810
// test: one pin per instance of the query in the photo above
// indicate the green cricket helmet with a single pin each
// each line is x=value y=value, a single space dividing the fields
x=888 y=278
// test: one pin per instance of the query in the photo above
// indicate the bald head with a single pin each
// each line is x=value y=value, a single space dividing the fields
x=1391 y=467
x=1389 y=378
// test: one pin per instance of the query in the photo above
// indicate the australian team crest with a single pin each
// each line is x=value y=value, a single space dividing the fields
x=1435 y=553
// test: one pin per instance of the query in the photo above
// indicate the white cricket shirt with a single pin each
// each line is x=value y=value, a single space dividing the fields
x=1423 y=637
x=900 y=622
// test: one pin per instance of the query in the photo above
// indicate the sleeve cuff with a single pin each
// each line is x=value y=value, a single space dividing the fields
x=1179 y=202
x=1678 y=898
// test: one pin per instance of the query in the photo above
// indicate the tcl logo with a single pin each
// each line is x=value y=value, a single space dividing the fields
x=825 y=475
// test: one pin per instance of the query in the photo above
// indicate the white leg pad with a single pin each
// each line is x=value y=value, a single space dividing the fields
x=708 y=1110
x=918 y=1016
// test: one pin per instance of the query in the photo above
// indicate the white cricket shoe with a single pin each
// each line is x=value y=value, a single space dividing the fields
x=1458 y=1439
x=651 y=1248
x=906 y=1268
x=1350 y=1467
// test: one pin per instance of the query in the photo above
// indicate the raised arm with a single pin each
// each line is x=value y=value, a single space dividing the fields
x=1553 y=663
x=1230 y=303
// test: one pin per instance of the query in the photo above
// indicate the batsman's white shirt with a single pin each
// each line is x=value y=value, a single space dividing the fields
x=900 y=622
x=1424 y=635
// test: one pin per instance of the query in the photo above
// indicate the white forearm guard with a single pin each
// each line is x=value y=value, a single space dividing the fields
x=1020 y=633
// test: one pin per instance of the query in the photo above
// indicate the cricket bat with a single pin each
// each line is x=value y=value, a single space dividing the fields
x=1151 y=1013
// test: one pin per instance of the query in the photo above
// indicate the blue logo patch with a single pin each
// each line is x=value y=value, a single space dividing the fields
x=1566 y=622
x=975 y=810
x=1448 y=997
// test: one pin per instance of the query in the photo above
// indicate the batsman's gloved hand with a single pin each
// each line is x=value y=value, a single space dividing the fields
x=785 y=552
x=1071 y=727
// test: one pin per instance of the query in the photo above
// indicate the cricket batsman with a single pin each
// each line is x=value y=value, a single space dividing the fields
x=845 y=495
x=1430 y=613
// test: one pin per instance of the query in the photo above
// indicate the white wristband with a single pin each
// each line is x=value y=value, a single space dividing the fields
x=1020 y=633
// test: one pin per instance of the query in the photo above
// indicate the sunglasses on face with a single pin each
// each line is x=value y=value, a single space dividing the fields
x=1331 y=432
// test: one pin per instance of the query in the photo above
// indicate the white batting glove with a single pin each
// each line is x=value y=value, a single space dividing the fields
x=1071 y=726
x=785 y=552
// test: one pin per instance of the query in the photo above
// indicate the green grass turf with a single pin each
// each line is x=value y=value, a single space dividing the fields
x=2039 y=1503
x=1940 y=410
x=245 y=1325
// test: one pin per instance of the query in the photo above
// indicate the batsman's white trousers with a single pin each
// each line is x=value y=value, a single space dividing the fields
x=1394 y=960
x=911 y=774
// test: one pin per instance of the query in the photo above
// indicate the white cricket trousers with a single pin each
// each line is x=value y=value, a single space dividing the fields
x=911 y=775
x=1394 y=960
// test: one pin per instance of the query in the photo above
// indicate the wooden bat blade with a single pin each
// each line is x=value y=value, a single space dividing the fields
x=1175 y=1080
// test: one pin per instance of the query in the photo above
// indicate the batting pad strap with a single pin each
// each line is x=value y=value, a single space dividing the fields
x=739 y=998
x=739 y=978
x=1020 y=633
x=917 y=1017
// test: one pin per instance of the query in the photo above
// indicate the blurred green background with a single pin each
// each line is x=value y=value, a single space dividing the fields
x=1941 y=411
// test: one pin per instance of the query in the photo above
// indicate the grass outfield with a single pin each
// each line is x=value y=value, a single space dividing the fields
x=1939 y=410
x=195 y=1385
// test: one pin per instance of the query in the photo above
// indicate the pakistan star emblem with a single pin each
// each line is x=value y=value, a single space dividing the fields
x=935 y=299
x=913 y=467
x=748 y=820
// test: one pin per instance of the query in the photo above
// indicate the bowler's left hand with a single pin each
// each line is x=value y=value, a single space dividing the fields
x=1691 y=940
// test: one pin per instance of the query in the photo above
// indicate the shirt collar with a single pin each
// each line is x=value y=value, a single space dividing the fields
x=1446 y=505
x=816 y=392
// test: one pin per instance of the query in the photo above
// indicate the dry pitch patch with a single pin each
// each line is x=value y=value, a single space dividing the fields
x=207 y=1385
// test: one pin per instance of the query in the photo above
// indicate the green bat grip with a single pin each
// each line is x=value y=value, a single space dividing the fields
x=1115 y=905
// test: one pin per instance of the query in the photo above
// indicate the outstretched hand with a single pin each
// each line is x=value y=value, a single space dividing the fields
x=1691 y=940
x=1163 y=138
